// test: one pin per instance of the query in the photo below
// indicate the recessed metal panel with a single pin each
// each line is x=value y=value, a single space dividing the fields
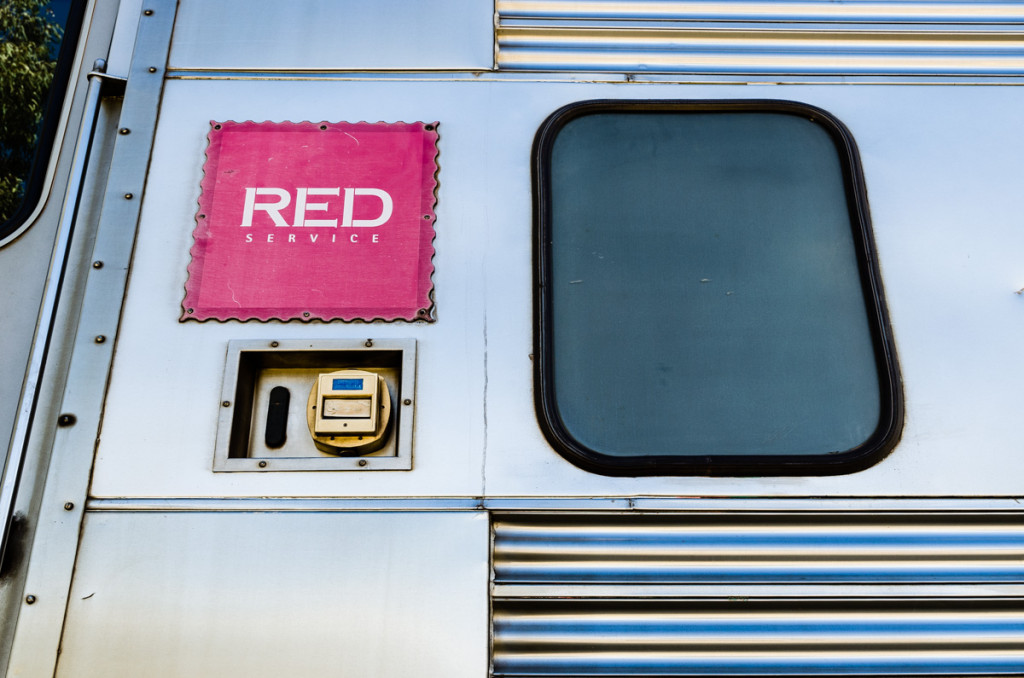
x=254 y=369
x=271 y=594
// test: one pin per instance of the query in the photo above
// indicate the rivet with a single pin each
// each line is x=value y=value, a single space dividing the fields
x=97 y=264
x=148 y=12
x=68 y=506
x=323 y=126
x=429 y=128
x=129 y=196
x=100 y=339
x=407 y=401
x=263 y=464
x=275 y=344
x=305 y=314
x=124 y=130
x=426 y=216
x=362 y=462
x=66 y=420
x=226 y=403
x=30 y=599
x=189 y=310
x=152 y=69
x=368 y=343
x=216 y=127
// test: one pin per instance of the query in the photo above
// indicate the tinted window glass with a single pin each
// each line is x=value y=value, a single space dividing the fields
x=707 y=299
x=33 y=70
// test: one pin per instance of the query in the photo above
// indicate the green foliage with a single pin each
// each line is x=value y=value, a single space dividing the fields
x=28 y=33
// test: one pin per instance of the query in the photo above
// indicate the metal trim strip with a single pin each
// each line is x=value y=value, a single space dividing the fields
x=280 y=505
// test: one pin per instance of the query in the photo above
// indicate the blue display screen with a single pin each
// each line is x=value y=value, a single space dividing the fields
x=347 y=384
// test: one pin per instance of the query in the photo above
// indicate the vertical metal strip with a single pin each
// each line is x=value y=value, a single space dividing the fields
x=53 y=552
x=51 y=295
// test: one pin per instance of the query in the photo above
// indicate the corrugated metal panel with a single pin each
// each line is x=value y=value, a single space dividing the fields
x=772 y=594
x=814 y=37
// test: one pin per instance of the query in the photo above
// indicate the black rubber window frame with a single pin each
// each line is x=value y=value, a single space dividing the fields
x=35 y=182
x=879 y=444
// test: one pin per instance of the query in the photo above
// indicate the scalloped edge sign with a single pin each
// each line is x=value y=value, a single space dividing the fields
x=315 y=221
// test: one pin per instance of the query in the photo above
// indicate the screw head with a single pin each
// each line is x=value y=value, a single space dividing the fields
x=362 y=462
x=97 y=264
x=29 y=599
x=148 y=12
x=129 y=196
x=100 y=339
x=68 y=506
x=263 y=464
x=407 y=401
x=275 y=344
x=152 y=69
x=66 y=420
x=124 y=130
x=368 y=343
x=226 y=403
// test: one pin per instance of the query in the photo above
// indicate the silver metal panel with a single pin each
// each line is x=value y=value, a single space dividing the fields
x=169 y=456
x=333 y=35
x=271 y=594
x=757 y=594
x=816 y=37
x=935 y=158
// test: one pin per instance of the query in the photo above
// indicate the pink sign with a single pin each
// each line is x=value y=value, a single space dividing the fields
x=315 y=220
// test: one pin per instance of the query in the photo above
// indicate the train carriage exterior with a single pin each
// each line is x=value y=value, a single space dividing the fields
x=519 y=338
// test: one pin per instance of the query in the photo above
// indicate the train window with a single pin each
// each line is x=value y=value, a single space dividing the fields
x=707 y=296
x=37 y=45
